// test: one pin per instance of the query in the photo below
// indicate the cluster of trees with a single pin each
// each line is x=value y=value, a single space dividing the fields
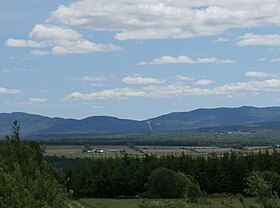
x=26 y=180
x=108 y=177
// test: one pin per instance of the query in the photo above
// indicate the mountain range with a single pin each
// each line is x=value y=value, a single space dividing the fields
x=177 y=121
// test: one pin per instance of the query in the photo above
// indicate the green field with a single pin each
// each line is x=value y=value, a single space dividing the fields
x=76 y=151
x=224 y=202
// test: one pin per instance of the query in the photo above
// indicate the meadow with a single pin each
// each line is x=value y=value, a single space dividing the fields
x=209 y=202
x=77 y=151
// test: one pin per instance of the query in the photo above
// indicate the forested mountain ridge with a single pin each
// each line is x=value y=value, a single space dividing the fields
x=215 y=117
x=200 y=118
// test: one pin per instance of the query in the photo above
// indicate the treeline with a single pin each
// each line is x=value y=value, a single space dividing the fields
x=185 y=138
x=26 y=180
x=129 y=176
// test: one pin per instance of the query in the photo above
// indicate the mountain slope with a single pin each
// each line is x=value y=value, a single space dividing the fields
x=29 y=122
x=99 y=125
x=200 y=118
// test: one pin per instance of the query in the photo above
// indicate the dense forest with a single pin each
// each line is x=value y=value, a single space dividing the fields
x=221 y=138
x=108 y=177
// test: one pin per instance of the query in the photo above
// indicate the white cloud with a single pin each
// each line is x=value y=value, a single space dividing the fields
x=37 y=100
x=6 y=71
x=259 y=74
x=179 y=89
x=138 y=79
x=183 y=78
x=154 y=19
x=263 y=59
x=275 y=60
x=203 y=82
x=24 y=43
x=60 y=40
x=11 y=71
x=255 y=86
x=270 y=60
x=90 y=79
x=34 y=100
x=251 y=39
x=220 y=39
x=53 y=33
x=118 y=93
x=39 y=52
x=82 y=47
x=94 y=81
x=153 y=34
x=96 y=107
x=8 y=91
x=184 y=60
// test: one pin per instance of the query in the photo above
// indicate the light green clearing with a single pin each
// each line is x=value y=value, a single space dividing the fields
x=134 y=203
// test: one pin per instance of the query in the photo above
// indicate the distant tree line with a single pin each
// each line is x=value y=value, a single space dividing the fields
x=124 y=175
x=181 y=138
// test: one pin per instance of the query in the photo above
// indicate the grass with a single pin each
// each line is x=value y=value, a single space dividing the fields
x=72 y=151
x=82 y=155
x=259 y=148
x=139 y=151
x=224 y=202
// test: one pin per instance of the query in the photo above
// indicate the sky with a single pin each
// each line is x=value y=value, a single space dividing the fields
x=137 y=59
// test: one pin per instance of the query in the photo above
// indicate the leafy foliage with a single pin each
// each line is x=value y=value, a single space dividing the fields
x=129 y=176
x=165 y=183
x=26 y=180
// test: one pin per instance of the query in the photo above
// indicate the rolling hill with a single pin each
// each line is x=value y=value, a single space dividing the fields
x=100 y=125
x=202 y=118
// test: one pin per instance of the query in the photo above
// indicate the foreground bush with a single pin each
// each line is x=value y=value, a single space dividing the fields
x=26 y=181
x=165 y=183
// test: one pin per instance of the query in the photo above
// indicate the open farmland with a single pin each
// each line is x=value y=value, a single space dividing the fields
x=77 y=151
x=72 y=151
x=174 y=150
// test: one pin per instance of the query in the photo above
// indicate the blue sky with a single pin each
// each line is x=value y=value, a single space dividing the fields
x=137 y=59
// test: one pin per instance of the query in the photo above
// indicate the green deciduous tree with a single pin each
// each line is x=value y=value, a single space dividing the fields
x=26 y=181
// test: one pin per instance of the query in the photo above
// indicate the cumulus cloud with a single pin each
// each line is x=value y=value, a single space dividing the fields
x=138 y=79
x=4 y=90
x=153 y=34
x=251 y=39
x=39 y=52
x=220 y=39
x=11 y=71
x=259 y=74
x=118 y=93
x=94 y=81
x=275 y=60
x=60 y=41
x=24 y=43
x=154 y=19
x=270 y=59
x=179 y=89
x=34 y=100
x=203 y=82
x=53 y=33
x=37 y=100
x=185 y=60
x=183 y=78
x=90 y=79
